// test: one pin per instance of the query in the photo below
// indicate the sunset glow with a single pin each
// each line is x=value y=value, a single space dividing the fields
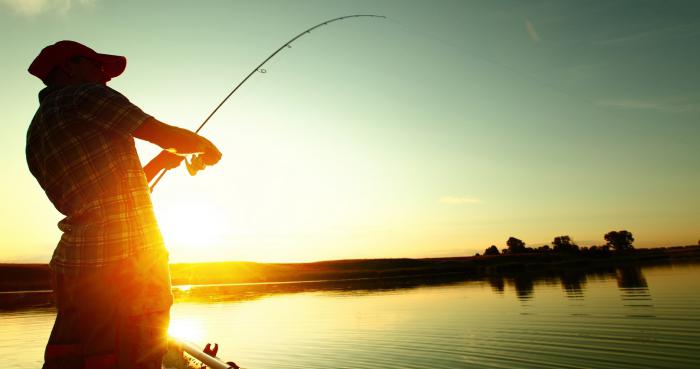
x=350 y=184
x=397 y=137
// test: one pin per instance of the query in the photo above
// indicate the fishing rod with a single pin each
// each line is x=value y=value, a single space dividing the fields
x=196 y=164
x=205 y=357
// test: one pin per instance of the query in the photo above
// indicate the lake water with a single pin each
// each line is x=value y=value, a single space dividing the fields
x=618 y=318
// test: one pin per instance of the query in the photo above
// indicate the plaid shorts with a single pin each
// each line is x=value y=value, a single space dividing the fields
x=112 y=317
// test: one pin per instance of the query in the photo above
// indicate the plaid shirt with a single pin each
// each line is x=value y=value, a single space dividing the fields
x=80 y=149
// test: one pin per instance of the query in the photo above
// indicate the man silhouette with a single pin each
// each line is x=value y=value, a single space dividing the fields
x=110 y=268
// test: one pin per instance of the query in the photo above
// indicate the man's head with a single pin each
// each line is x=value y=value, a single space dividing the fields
x=69 y=62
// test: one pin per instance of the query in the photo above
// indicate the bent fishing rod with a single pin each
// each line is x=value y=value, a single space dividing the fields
x=194 y=167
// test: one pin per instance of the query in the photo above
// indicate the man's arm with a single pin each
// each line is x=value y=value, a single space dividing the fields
x=177 y=141
x=164 y=160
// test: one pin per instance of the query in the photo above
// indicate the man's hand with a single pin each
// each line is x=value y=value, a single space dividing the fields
x=177 y=143
x=210 y=154
x=167 y=160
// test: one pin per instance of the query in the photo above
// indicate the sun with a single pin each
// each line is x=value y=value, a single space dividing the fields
x=190 y=225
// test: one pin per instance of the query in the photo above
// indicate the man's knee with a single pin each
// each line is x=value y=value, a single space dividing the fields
x=145 y=339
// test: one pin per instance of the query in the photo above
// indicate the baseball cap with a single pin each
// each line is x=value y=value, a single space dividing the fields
x=55 y=54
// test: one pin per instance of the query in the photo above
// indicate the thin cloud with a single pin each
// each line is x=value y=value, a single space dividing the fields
x=34 y=7
x=671 y=105
x=531 y=31
x=459 y=200
x=674 y=31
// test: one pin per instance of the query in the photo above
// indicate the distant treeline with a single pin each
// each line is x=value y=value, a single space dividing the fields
x=616 y=241
x=471 y=266
x=15 y=277
x=21 y=277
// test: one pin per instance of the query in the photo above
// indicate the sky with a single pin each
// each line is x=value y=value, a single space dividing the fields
x=439 y=131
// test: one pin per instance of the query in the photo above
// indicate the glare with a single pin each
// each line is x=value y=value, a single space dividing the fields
x=192 y=223
x=184 y=287
x=189 y=329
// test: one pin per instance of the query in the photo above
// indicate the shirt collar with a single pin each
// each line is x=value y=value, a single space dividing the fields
x=46 y=92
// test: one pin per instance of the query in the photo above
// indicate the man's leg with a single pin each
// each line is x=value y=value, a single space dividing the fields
x=113 y=317
x=64 y=349
x=144 y=319
x=85 y=329
x=145 y=340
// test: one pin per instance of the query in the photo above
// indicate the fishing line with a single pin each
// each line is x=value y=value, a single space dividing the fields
x=258 y=69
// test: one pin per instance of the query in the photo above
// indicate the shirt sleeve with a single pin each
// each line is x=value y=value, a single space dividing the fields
x=108 y=109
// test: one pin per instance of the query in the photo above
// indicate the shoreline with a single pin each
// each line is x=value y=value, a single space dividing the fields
x=36 y=277
x=515 y=272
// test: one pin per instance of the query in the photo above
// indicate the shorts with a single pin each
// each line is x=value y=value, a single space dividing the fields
x=114 y=317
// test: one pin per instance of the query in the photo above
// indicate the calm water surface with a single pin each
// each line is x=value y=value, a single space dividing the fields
x=621 y=318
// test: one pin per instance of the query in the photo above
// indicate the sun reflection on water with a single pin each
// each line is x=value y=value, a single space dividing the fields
x=189 y=329
x=184 y=287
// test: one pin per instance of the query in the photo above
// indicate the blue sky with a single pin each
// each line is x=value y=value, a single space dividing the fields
x=441 y=130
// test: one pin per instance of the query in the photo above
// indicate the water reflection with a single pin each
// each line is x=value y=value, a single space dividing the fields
x=630 y=281
x=26 y=300
x=497 y=283
x=524 y=285
x=572 y=319
x=630 y=277
x=573 y=283
x=253 y=291
x=634 y=292
x=189 y=328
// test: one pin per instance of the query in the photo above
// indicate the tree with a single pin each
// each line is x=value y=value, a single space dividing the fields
x=598 y=251
x=620 y=240
x=493 y=250
x=515 y=246
x=564 y=244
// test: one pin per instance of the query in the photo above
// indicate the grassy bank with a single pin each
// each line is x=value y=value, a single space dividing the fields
x=15 y=277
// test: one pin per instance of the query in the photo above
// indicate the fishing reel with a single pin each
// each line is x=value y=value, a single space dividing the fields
x=194 y=164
